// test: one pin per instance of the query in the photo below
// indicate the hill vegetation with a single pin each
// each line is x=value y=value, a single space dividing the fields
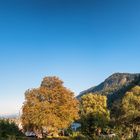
x=9 y=130
x=110 y=110
x=114 y=87
x=122 y=91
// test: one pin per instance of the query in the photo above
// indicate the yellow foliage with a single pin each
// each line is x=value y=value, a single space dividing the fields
x=50 y=106
x=131 y=104
x=95 y=104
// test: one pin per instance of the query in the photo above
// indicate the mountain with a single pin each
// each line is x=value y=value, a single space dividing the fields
x=8 y=116
x=114 y=86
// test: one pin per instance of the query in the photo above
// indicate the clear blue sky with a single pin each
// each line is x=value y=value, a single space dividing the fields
x=81 y=41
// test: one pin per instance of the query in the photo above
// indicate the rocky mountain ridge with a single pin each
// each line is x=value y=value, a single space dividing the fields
x=112 y=84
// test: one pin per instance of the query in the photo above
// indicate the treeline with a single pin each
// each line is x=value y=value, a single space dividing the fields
x=51 y=109
x=122 y=120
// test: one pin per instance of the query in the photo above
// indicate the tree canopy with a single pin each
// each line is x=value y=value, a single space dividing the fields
x=8 y=128
x=94 y=112
x=131 y=106
x=50 y=107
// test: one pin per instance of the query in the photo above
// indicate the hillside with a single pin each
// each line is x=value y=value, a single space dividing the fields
x=114 y=86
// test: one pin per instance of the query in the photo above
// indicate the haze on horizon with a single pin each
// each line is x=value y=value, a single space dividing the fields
x=81 y=41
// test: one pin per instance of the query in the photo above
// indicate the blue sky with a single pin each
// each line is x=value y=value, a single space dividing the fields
x=81 y=41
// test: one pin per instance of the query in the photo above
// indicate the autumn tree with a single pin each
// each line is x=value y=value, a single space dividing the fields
x=49 y=108
x=94 y=113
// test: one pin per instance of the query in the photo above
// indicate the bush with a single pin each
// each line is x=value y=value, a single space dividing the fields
x=8 y=129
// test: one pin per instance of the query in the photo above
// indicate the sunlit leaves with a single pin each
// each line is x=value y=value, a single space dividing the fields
x=131 y=104
x=51 y=106
x=94 y=112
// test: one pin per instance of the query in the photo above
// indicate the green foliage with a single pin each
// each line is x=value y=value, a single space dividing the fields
x=118 y=95
x=127 y=109
x=94 y=114
x=77 y=137
x=125 y=114
x=8 y=129
x=131 y=105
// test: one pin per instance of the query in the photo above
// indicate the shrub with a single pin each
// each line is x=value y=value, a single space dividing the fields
x=8 y=129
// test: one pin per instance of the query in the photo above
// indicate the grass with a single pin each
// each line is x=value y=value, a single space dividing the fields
x=63 y=138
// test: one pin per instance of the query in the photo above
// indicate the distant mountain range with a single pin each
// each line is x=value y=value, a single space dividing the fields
x=8 y=115
x=114 y=86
